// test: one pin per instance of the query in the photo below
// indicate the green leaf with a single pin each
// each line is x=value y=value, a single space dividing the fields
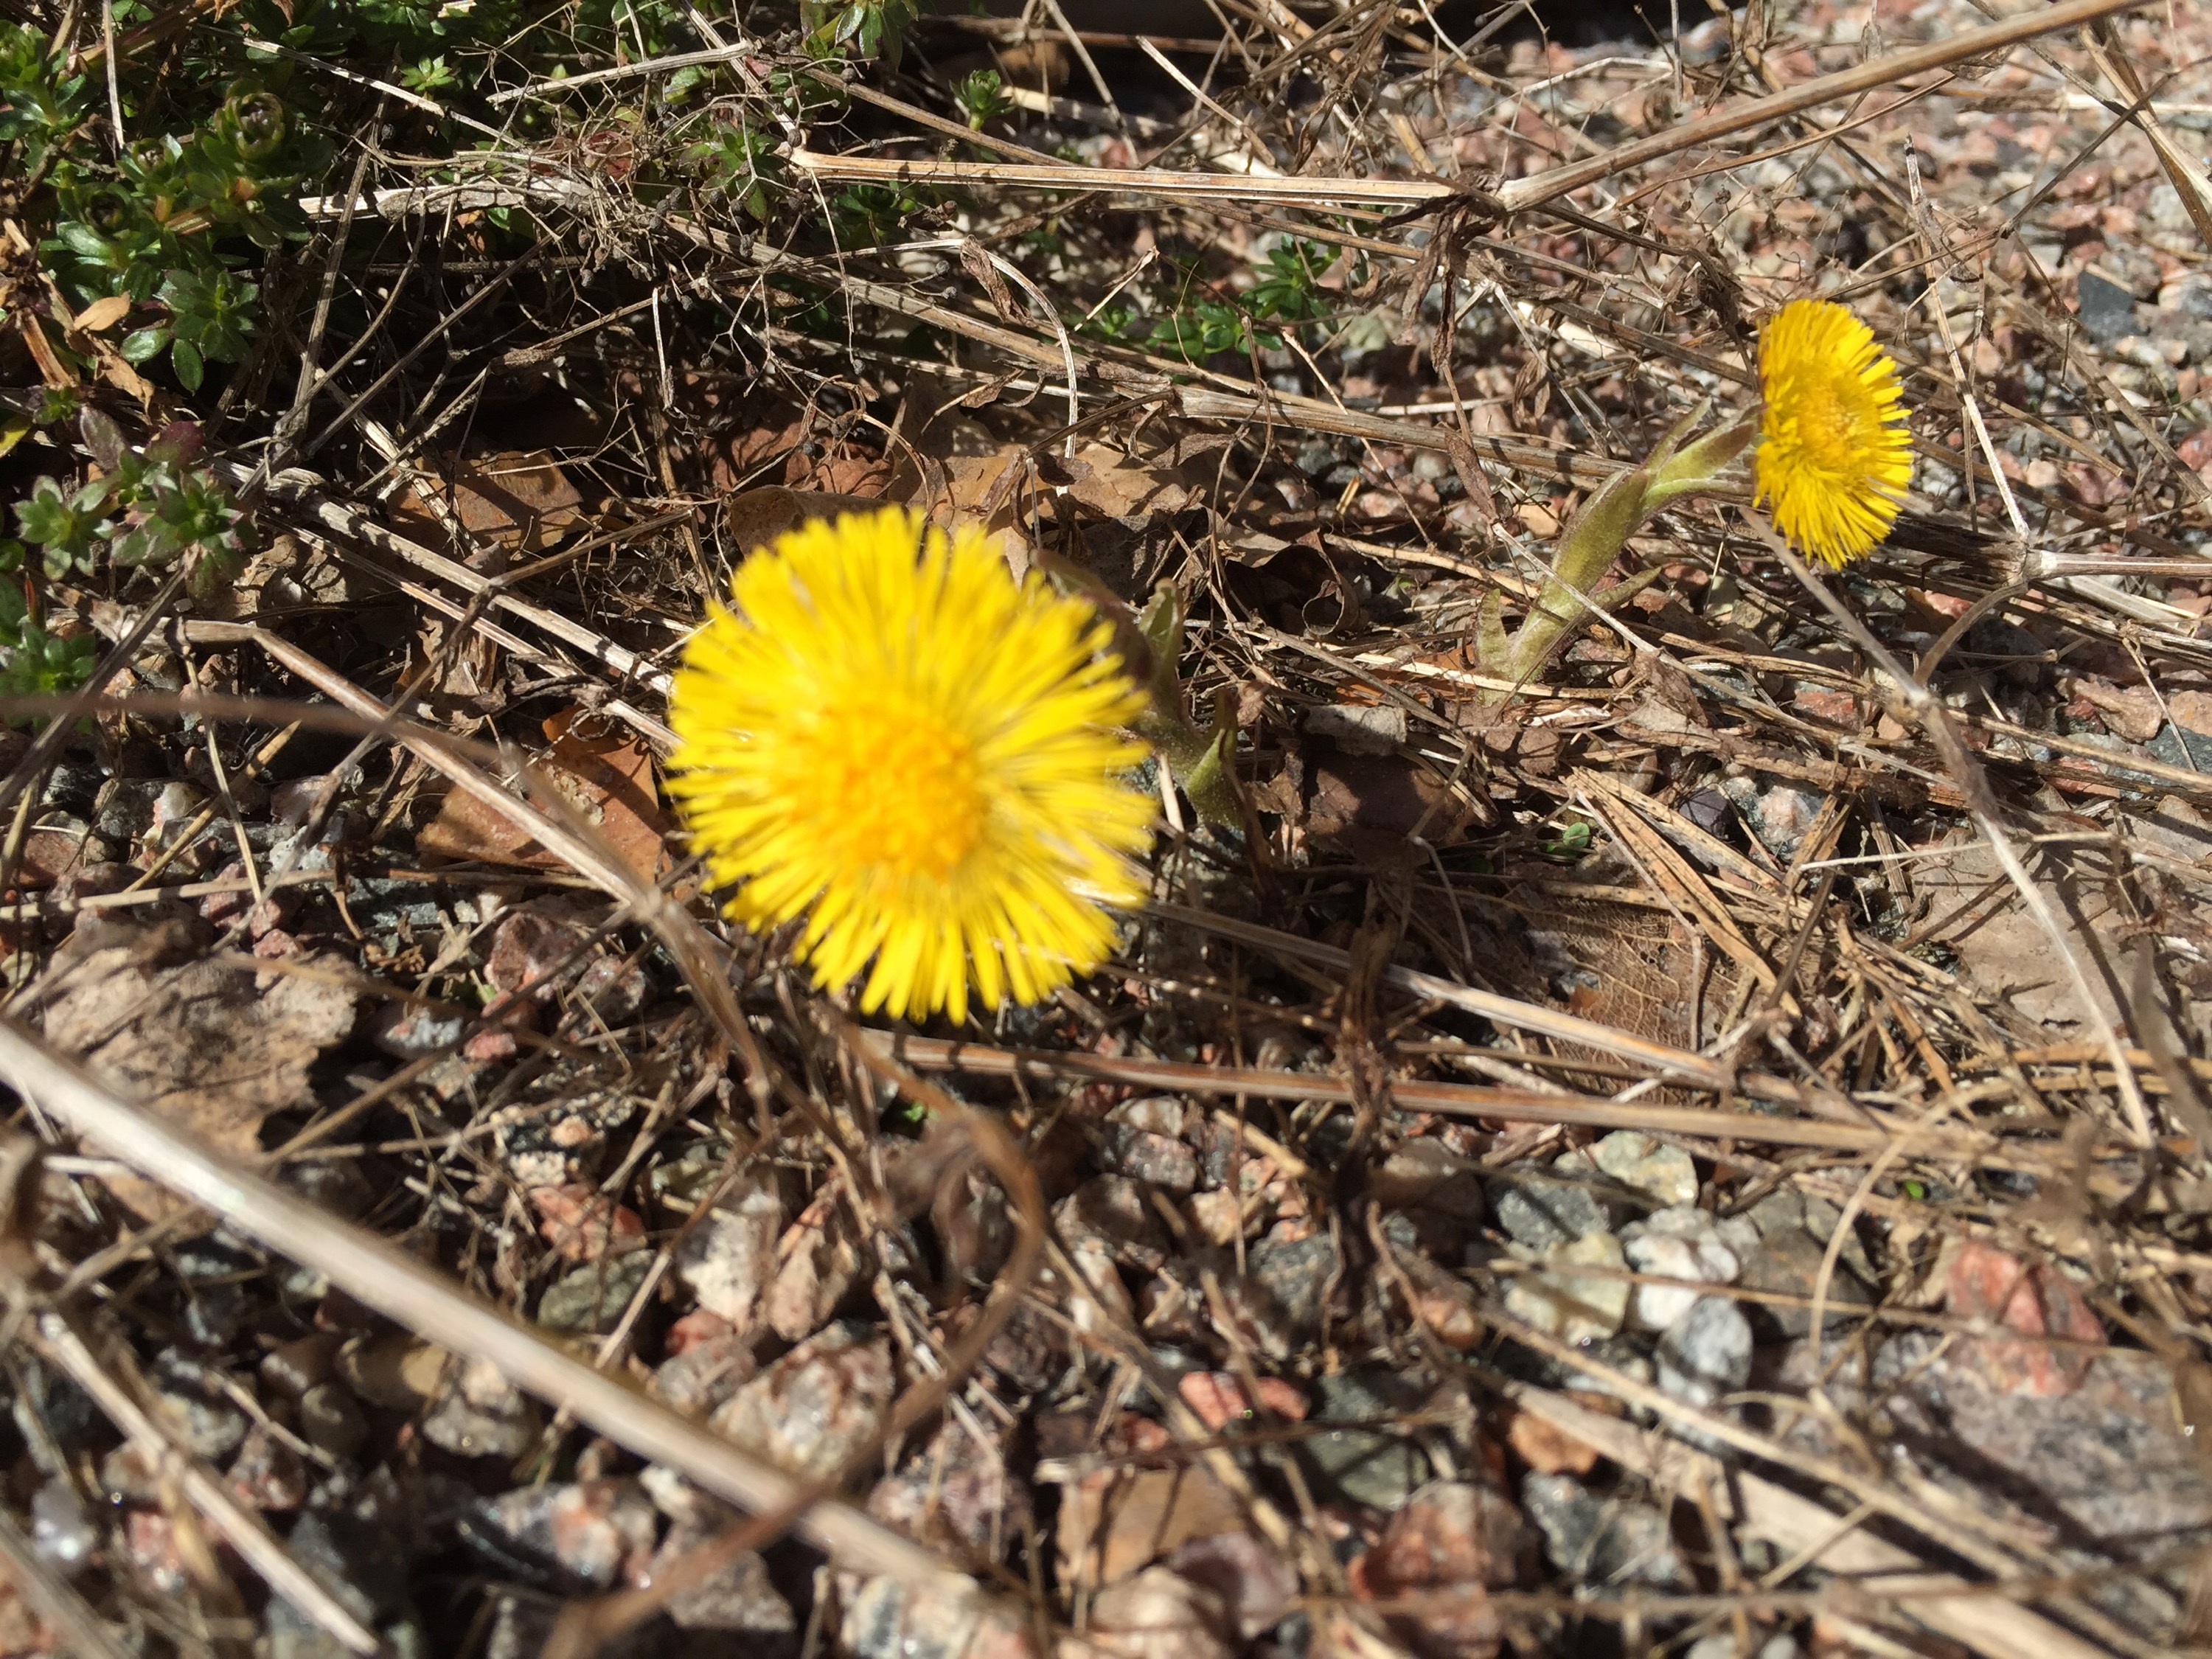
x=142 y=344
x=191 y=369
x=82 y=239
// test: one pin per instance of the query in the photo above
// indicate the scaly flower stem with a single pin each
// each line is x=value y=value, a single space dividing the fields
x=1593 y=541
x=1197 y=759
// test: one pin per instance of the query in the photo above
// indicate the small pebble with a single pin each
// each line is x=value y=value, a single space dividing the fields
x=1706 y=1353
x=730 y=1254
x=812 y=1410
x=1648 y=1165
x=331 y=1422
x=1574 y=1307
x=1674 y=1243
x=61 y=1531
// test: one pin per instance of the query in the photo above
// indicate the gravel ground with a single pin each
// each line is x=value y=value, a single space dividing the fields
x=1619 y=1165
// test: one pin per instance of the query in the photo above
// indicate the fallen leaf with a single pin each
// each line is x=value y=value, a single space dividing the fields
x=1118 y=485
x=212 y=1046
x=2004 y=950
x=757 y=517
x=603 y=775
x=520 y=503
x=1373 y=802
x=103 y=313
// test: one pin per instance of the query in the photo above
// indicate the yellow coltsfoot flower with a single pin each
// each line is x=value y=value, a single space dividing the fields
x=1834 y=457
x=891 y=737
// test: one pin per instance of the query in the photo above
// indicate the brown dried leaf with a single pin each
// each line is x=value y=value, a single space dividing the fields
x=1117 y=485
x=606 y=778
x=103 y=313
x=1373 y=802
x=757 y=517
x=211 y=1045
x=522 y=502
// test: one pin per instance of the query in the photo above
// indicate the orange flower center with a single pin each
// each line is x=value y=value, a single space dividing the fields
x=900 y=791
x=1831 y=433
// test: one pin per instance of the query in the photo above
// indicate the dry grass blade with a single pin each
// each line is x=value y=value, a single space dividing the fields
x=56 y=1603
x=1471 y=1101
x=1515 y=196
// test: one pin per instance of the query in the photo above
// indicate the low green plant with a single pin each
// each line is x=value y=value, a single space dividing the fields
x=1201 y=319
x=863 y=215
x=148 y=508
x=874 y=28
x=1289 y=287
x=982 y=98
x=33 y=662
x=740 y=162
x=162 y=222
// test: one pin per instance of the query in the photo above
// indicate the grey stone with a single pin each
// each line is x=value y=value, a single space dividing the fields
x=1706 y=1353
x=729 y=1255
x=1818 y=1217
x=958 y=1491
x=1426 y=1174
x=330 y=1421
x=590 y=1299
x=363 y=1564
x=1777 y=812
x=1154 y=1159
x=2107 y=310
x=810 y=1411
x=1113 y=1210
x=1283 y=1286
x=2188 y=293
x=2107 y=1461
x=1363 y=1465
x=1572 y=1306
x=1601 y=1543
x=481 y=1414
x=267 y=1474
x=74 y=787
x=215 y=1313
x=1544 y=1209
x=1674 y=1244
x=1651 y=1167
x=408 y=1033
x=61 y=1531
x=1788 y=1261
x=738 y=1597
x=2176 y=745
x=1155 y=1115
x=208 y=1423
x=889 y=1618
x=595 y=1533
x=124 y=810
